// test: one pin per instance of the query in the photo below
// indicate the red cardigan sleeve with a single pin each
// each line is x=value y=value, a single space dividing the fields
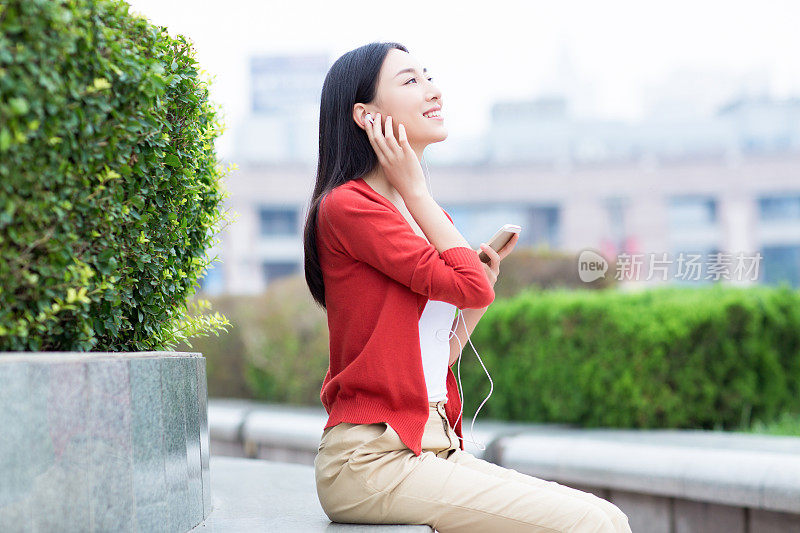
x=371 y=232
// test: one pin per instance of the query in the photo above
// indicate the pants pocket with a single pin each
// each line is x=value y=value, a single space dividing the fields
x=370 y=436
x=382 y=462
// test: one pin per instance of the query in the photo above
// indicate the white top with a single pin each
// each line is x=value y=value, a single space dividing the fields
x=434 y=331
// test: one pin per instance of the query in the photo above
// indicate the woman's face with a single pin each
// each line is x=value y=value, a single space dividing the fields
x=406 y=95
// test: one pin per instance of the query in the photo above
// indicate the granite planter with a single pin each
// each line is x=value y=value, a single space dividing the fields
x=103 y=441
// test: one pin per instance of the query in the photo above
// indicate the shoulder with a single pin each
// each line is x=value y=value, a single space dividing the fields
x=348 y=198
x=345 y=192
x=345 y=204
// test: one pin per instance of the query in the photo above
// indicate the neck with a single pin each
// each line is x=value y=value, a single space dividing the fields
x=378 y=181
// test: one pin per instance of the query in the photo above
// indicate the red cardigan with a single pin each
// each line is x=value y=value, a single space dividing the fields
x=379 y=275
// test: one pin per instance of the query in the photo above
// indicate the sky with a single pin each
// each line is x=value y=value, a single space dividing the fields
x=612 y=59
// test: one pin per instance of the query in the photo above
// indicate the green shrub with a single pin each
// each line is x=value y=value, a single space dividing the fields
x=109 y=181
x=710 y=358
x=277 y=350
x=787 y=424
x=714 y=357
x=287 y=349
x=225 y=353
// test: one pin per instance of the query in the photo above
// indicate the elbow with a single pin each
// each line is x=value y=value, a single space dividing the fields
x=481 y=297
x=488 y=297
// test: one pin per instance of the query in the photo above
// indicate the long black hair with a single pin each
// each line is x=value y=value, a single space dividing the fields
x=345 y=153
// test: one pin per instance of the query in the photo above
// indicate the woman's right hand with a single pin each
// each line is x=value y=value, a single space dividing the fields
x=492 y=269
x=399 y=161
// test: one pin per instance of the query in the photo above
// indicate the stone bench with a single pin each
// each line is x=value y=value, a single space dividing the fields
x=257 y=495
x=704 y=481
x=664 y=480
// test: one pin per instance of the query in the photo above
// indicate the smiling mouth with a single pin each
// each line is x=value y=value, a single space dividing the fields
x=435 y=115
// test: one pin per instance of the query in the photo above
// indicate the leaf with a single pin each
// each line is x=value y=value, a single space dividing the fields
x=172 y=160
x=18 y=105
x=5 y=139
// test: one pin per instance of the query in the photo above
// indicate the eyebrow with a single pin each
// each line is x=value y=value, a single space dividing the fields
x=424 y=70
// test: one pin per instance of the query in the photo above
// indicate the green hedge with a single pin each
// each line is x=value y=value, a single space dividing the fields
x=711 y=358
x=707 y=358
x=109 y=184
x=225 y=353
x=277 y=350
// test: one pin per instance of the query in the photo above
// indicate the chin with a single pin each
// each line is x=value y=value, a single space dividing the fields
x=432 y=138
x=438 y=137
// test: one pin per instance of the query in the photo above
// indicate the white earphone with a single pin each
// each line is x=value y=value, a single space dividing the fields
x=491 y=383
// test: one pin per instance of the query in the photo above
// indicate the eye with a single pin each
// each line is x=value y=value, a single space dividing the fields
x=414 y=79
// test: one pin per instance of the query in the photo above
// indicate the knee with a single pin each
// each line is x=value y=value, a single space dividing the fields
x=620 y=519
x=596 y=520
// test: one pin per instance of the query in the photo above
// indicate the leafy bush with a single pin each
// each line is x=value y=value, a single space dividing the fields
x=277 y=350
x=287 y=350
x=787 y=424
x=109 y=183
x=674 y=357
x=226 y=353
x=710 y=358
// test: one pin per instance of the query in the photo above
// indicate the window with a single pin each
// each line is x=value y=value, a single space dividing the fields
x=781 y=264
x=275 y=270
x=779 y=208
x=690 y=212
x=477 y=223
x=697 y=266
x=277 y=221
x=615 y=207
x=543 y=227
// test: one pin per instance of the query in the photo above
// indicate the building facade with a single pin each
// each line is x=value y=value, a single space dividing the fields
x=690 y=205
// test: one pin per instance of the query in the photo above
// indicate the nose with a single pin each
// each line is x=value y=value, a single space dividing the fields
x=435 y=92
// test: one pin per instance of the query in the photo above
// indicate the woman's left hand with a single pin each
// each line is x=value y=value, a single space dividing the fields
x=493 y=268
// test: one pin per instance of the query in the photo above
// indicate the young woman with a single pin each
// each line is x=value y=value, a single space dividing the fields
x=390 y=268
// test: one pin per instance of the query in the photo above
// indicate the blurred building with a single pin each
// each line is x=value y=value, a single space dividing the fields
x=543 y=130
x=284 y=96
x=692 y=205
x=726 y=182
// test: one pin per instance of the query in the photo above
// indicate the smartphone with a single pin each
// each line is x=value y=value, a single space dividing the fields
x=500 y=239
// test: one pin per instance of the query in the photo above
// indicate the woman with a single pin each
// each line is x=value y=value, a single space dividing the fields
x=380 y=255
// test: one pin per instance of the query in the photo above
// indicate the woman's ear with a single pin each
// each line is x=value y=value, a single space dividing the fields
x=362 y=117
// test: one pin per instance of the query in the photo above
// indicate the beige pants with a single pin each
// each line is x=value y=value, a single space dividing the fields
x=365 y=474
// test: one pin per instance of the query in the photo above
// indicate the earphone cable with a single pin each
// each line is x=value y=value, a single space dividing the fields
x=491 y=383
x=460 y=349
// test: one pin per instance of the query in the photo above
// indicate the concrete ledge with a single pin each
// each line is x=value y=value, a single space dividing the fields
x=244 y=428
x=228 y=417
x=734 y=476
x=666 y=481
x=257 y=495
